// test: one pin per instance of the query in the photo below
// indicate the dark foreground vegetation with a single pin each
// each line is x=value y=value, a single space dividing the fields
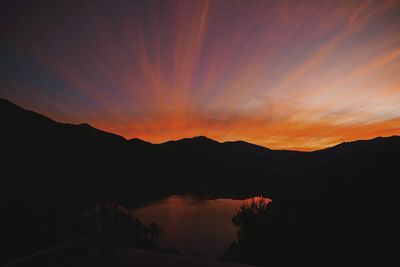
x=267 y=234
x=110 y=226
x=101 y=230
x=253 y=222
x=329 y=203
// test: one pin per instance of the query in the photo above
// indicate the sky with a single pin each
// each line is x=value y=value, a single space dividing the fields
x=299 y=75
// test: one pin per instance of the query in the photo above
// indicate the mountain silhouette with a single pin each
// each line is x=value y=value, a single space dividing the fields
x=45 y=146
x=50 y=169
x=40 y=152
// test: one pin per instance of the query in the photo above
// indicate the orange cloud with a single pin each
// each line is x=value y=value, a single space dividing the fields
x=286 y=75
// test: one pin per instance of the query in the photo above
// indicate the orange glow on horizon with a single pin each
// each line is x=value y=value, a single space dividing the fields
x=281 y=74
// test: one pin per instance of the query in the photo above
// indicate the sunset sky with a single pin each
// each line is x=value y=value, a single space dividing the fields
x=300 y=75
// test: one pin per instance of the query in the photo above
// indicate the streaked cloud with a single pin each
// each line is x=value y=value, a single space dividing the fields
x=284 y=74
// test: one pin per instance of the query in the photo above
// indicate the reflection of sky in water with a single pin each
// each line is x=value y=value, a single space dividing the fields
x=196 y=227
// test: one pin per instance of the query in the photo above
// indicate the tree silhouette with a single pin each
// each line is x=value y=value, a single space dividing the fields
x=110 y=226
x=254 y=224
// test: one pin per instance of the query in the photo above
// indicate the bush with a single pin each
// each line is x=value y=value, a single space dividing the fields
x=111 y=226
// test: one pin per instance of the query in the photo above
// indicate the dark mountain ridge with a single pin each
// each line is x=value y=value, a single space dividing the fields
x=13 y=114
x=76 y=156
x=32 y=137
x=51 y=169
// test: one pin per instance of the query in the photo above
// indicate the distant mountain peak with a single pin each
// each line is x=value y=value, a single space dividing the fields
x=202 y=138
x=85 y=125
x=364 y=141
x=138 y=141
x=6 y=101
x=196 y=139
x=245 y=144
x=16 y=115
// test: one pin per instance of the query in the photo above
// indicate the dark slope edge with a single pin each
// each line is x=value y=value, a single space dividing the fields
x=349 y=189
x=54 y=152
x=61 y=153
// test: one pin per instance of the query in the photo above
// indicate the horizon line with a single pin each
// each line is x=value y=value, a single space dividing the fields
x=195 y=136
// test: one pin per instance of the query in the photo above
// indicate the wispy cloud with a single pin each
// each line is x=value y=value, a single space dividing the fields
x=284 y=74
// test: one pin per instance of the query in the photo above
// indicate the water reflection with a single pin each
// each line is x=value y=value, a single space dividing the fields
x=195 y=226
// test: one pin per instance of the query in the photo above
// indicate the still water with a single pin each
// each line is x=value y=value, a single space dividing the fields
x=195 y=226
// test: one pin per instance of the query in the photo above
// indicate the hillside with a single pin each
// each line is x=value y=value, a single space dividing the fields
x=51 y=170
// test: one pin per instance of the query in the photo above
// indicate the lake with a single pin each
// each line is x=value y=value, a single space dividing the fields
x=197 y=227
